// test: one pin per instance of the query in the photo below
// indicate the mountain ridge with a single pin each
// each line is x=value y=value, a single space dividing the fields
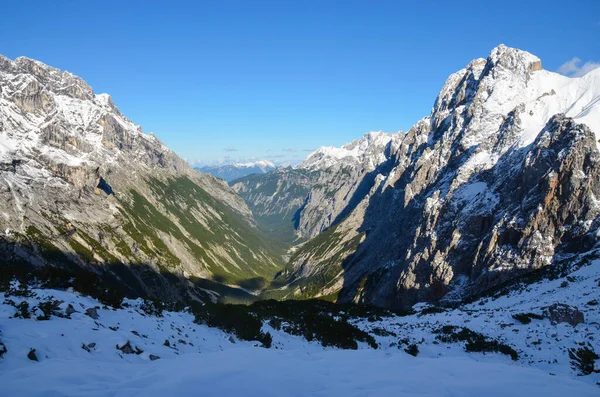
x=231 y=172
x=394 y=246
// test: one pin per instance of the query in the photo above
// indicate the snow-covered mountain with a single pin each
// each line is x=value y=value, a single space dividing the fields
x=230 y=172
x=80 y=184
x=367 y=152
x=499 y=180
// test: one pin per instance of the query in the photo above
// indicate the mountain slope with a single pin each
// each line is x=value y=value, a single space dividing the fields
x=277 y=199
x=493 y=184
x=229 y=172
x=81 y=184
x=308 y=199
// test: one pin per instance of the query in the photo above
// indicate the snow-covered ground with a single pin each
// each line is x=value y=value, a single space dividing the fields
x=539 y=343
x=79 y=356
x=260 y=372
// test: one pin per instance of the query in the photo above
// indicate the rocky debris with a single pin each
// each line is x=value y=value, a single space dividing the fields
x=32 y=356
x=3 y=349
x=92 y=312
x=70 y=310
x=11 y=166
x=89 y=347
x=152 y=357
x=563 y=313
x=128 y=349
x=167 y=343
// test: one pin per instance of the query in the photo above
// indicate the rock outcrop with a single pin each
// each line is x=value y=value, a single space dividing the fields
x=563 y=313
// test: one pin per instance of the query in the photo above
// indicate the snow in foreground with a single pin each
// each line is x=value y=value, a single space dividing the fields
x=260 y=372
x=79 y=356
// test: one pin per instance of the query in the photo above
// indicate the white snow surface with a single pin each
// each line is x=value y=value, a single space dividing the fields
x=207 y=361
x=550 y=93
x=258 y=372
x=263 y=165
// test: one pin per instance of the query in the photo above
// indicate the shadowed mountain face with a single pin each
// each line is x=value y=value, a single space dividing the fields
x=500 y=179
x=79 y=179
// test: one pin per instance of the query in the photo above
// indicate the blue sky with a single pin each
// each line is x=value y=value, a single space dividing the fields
x=237 y=80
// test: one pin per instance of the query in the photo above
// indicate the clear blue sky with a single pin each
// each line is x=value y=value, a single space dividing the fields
x=242 y=79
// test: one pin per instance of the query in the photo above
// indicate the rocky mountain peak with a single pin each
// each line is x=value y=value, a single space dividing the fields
x=50 y=78
x=55 y=118
x=497 y=83
x=513 y=59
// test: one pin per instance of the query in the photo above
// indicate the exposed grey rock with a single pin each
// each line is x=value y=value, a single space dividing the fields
x=563 y=313
x=88 y=348
x=92 y=312
x=70 y=310
x=3 y=349
x=128 y=349
x=152 y=357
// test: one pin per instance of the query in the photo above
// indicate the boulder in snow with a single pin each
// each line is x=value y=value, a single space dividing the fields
x=92 y=312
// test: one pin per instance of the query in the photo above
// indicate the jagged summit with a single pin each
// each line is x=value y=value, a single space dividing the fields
x=512 y=82
x=39 y=101
x=509 y=80
x=513 y=59
x=368 y=151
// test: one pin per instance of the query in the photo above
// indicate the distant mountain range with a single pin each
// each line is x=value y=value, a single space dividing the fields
x=501 y=179
x=229 y=172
